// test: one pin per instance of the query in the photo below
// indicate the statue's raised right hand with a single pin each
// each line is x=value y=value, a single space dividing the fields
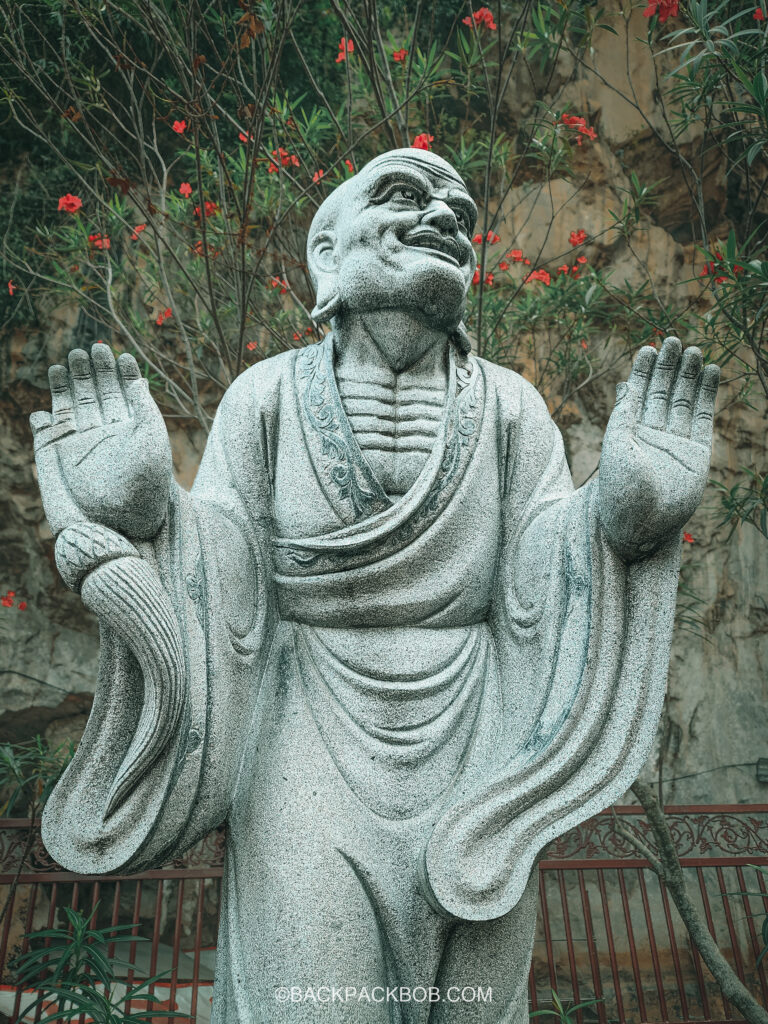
x=102 y=453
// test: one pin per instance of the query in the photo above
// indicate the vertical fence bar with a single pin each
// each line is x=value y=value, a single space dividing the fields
x=176 y=945
x=652 y=943
x=761 y=884
x=752 y=933
x=532 y=1000
x=75 y=900
x=569 y=940
x=115 y=918
x=632 y=947
x=47 y=944
x=155 y=949
x=737 y=959
x=592 y=949
x=25 y=942
x=611 y=947
x=675 y=951
x=711 y=926
x=199 y=939
x=11 y=897
x=547 y=932
x=132 y=948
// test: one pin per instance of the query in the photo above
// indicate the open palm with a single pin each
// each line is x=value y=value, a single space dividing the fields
x=657 y=447
x=102 y=453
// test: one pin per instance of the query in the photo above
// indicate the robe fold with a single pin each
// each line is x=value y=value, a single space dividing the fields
x=396 y=702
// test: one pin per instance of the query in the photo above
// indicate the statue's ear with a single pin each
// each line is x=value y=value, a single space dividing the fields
x=322 y=265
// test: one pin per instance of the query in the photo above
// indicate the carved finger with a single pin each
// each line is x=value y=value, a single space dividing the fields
x=705 y=405
x=631 y=396
x=657 y=398
x=58 y=504
x=684 y=393
x=135 y=387
x=87 y=410
x=40 y=422
x=62 y=405
x=113 y=406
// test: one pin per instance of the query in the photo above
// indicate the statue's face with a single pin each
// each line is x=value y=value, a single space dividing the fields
x=403 y=240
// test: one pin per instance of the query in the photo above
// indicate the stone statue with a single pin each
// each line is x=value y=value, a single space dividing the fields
x=383 y=638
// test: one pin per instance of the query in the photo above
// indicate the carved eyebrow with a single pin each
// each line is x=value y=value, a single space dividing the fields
x=399 y=176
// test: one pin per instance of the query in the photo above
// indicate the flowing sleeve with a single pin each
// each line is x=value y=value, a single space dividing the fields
x=583 y=641
x=184 y=625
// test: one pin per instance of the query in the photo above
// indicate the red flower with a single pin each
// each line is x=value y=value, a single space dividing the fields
x=345 y=46
x=492 y=238
x=245 y=138
x=6 y=601
x=582 y=259
x=482 y=17
x=286 y=159
x=477 y=239
x=22 y=606
x=317 y=176
x=538 y=275
x=70 y=203
x=578 y=237
x=516 y=255
x=296 y=337
x=179 y=127
x=11 y=288
x=563 y=269
x=688 y=538
x=251 y=346
x=489 y=279
x=664 y=8
x=350 y=166
x=476 y=277
x=278 y=282
x=209 y=207
x=137 y=230
x=99 y=241
x=422 y=141
x=759 y=14
x=580 y=124
x=503 y=265
x=719 y=273
x=398 y=56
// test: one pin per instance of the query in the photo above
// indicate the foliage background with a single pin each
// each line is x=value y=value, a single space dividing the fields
x=619 y=150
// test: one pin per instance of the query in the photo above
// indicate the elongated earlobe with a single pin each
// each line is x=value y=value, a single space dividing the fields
x=322 y=267
x=328 y=301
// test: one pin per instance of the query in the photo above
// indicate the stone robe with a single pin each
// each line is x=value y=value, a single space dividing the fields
x=394 y=705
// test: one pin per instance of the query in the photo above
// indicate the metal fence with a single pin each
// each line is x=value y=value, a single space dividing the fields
x=606 y=928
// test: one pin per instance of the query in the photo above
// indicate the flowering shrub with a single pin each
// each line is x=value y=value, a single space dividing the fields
x=181 y=231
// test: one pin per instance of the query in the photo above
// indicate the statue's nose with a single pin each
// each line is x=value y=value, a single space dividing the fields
x=440 y=216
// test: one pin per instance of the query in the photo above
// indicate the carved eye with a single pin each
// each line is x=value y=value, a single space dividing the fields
x=409 y=195
x=463 y=218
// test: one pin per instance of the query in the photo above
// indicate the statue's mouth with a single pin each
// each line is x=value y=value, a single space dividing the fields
x=440 y=245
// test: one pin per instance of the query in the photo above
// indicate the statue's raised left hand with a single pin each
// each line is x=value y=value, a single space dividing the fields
x=102 y=453
x=657 y=447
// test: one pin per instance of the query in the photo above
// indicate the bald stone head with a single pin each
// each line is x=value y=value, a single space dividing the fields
x=397 y=235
